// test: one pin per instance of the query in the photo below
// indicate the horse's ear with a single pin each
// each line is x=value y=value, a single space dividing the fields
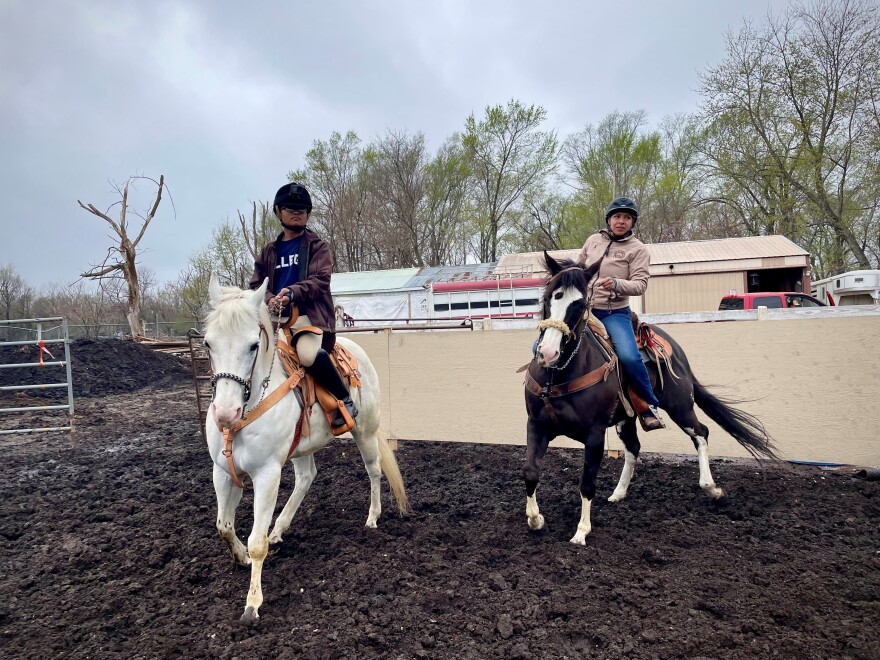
x=215 y=294
x=260 y=293
x=590 y=271
x=552 y=265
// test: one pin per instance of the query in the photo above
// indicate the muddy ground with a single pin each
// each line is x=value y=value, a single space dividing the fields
x=109 y=550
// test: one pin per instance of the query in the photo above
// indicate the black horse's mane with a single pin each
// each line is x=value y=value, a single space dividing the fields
x=571 y=275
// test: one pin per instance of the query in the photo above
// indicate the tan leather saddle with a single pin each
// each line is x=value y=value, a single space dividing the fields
x=308 y=391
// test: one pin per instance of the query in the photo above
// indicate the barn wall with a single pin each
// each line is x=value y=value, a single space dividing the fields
x=814 y=383
x=698 y=293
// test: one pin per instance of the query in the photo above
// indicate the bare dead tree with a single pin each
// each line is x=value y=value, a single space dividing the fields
x=121 y=259
x=260 y=230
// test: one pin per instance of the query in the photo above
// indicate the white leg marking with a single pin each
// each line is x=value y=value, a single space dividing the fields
x=584 y=526
x=265 y=497
x=228 y=497
x=707 y=483
x=536 y=520
x=629 y=467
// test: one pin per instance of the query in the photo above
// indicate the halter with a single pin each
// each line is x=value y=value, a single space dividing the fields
x=245 y=383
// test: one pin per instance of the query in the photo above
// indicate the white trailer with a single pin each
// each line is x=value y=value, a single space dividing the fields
x=857 y=287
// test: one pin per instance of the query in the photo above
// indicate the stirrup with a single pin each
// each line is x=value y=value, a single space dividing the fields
x=651 y=419
x=339 y=418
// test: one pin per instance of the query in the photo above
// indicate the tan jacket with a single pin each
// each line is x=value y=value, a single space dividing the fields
x=627 y=261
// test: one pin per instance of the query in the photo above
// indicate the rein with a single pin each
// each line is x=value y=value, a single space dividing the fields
x=297 y=373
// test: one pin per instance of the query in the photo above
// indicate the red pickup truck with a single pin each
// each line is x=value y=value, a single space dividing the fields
x=770 y=300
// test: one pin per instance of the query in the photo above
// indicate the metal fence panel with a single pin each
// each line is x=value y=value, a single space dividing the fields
x=35 y=329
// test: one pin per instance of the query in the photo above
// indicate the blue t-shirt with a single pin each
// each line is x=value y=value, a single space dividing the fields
x=287 y=263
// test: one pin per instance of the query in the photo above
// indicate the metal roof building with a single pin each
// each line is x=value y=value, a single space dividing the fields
x=694 y=275
x=371 y=282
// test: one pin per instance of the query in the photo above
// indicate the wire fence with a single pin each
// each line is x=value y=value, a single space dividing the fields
x=100 y=330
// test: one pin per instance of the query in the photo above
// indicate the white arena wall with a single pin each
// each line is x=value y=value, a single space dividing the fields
x=812 y=378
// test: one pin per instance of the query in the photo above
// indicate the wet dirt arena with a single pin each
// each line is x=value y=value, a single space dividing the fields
x=110 y=549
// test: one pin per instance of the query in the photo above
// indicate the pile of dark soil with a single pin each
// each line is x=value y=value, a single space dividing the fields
x=111 y=551
x=99 y=367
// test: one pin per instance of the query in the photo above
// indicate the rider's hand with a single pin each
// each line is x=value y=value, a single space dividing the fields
x=277 y=303
x=605 y=283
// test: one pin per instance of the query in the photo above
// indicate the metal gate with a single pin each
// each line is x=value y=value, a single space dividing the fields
x=35 y=328
x=201 y=369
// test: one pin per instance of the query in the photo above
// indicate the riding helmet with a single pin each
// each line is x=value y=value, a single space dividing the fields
x=293 y=196
x=623 y=204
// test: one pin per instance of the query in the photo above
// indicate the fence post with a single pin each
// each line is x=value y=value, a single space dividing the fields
x=69 y=381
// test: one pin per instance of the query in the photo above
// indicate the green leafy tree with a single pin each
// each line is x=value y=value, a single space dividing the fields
x=616 y=157
x=792 y=104
x=507 y=155
x=337 y=176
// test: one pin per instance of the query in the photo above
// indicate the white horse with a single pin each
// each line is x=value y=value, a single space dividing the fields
x=238 y=338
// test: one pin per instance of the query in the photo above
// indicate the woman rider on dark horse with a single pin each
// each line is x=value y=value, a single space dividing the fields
x=622 y=273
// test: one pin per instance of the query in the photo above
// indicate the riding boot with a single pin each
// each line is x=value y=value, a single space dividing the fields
x=324 y=371
x=649 y=416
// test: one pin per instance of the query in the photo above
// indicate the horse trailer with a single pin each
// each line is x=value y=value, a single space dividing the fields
x=489 y=298
x=857 y=287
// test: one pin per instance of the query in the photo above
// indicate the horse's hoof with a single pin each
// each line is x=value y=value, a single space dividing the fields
x=714 y=492
x=615 y=497
x=577 y=539
x=721 y=502
x=274 y=547
x=250 y=616
x=536 y=524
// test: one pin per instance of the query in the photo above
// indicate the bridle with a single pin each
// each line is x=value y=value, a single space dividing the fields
x=567 y=333
x=245 y=383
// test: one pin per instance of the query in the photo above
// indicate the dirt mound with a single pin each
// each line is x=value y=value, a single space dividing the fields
x=99 y=367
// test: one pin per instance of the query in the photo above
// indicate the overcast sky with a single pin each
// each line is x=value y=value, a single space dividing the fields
x=225 y=98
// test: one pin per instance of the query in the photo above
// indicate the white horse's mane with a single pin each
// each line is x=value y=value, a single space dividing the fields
x=235 y=313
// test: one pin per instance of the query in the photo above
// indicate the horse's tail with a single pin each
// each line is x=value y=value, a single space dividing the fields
x=746 y=429
x=392 y=472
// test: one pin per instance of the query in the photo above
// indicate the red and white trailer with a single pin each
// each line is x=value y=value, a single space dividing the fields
x=498 y=297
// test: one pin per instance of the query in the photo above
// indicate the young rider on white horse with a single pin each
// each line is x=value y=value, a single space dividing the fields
x=299 y=264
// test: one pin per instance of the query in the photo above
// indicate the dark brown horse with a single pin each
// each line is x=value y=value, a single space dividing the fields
x=574 y=392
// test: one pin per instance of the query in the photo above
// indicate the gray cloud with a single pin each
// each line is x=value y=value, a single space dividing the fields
x=225 y=98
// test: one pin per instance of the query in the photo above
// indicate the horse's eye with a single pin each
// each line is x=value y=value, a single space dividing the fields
x=255 y=346
x=557 y=295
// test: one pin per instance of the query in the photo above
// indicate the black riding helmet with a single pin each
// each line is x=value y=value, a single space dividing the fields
x=293 y=196
x=623 y=204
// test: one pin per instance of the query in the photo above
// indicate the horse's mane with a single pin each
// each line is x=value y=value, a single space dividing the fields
x=235 y=313
x=571 y=275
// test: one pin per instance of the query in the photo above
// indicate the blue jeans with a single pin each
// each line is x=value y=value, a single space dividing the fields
x=619 y=326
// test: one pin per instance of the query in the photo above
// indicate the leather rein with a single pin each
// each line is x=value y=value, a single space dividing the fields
x=588 y=379
x=296 y=375
x=547 y=392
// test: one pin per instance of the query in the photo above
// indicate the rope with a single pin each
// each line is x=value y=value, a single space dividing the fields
x=556 y=325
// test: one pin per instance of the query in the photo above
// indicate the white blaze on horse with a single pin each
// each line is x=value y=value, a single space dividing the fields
x=238 y=337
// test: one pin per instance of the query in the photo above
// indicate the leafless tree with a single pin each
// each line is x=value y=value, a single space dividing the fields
x=121 y=259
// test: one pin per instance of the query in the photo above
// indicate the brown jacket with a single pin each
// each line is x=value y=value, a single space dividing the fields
x=627 y=261
x=312 y=292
